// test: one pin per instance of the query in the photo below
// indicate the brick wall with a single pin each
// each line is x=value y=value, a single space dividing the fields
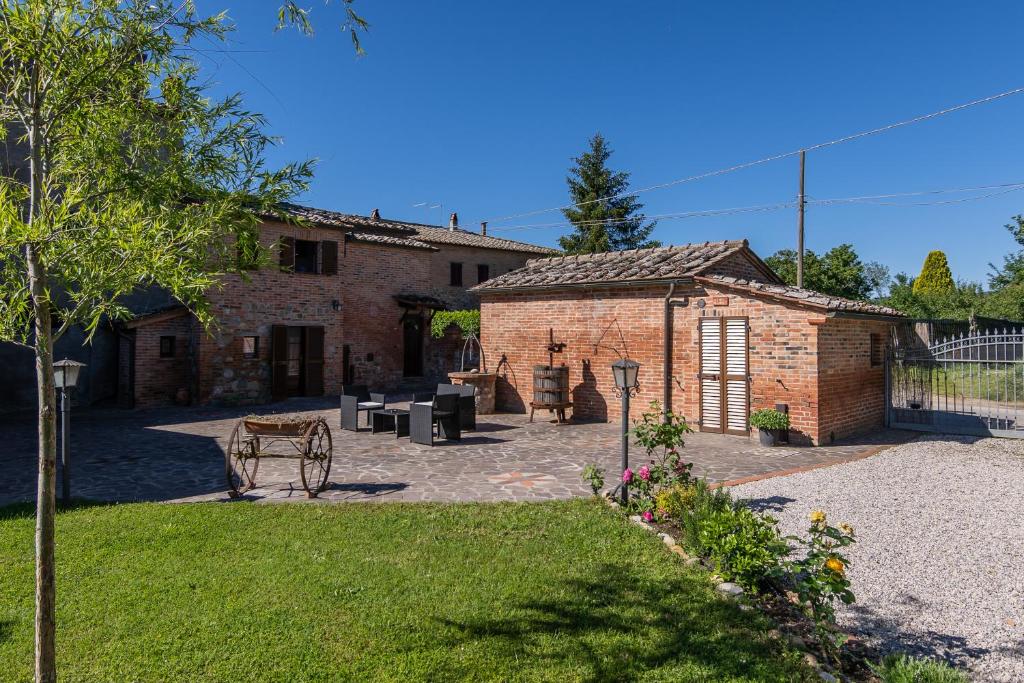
x=372 y=276
x=783 y=342
x=158 y=380
x=852 y=388
x=457 y=298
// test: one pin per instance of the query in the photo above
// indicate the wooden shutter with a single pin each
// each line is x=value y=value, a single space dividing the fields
x=329 y=257
x=737 y=405
x=286 y=247
x=279 y=362
x=313 y=356
x=711 y=375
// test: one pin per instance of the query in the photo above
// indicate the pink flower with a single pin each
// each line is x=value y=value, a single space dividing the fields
x=647 y=516
x=627 y=476
x=645 y=473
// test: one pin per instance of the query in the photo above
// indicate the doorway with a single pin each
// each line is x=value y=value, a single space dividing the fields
x=297 y=367
x=724 y=376
x=412 y=337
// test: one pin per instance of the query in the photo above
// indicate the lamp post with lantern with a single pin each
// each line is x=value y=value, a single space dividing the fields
x=65 y=378
x=625 y=372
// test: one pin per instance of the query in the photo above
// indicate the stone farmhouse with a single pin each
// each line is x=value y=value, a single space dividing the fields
x=716 y=332
x=350 y=303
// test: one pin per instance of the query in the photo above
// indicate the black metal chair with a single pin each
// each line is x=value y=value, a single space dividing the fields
x=355 y=399
x=467 y=403
x=440 y=414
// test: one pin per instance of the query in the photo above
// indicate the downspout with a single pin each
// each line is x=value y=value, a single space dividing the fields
x=666 y=404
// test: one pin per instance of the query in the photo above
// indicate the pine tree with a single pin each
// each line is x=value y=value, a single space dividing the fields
x=935 y=277
x=604 y=218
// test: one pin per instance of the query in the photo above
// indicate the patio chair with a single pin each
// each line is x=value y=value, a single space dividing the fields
x=467 y=403
x=441 y=414
x=355 y=399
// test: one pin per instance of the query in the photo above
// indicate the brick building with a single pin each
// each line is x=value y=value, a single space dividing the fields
x=716 y=332
x=350 y=303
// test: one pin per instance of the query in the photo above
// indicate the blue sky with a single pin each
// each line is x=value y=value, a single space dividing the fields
x=480 y=106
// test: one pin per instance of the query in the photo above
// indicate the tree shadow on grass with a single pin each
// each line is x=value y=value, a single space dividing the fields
x=618 y=624
x=6 y=630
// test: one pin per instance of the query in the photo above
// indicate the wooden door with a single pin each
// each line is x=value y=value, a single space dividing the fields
x=412 y=333
x=279 y=362
x=724 y=376
x=313 y=361
x=295 y=361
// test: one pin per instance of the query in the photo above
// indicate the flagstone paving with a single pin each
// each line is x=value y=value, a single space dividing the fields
x=176 y=454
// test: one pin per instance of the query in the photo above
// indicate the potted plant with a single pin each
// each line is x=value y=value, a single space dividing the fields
x=770 y=424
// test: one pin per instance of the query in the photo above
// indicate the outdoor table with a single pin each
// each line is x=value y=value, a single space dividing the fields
x=390 y=420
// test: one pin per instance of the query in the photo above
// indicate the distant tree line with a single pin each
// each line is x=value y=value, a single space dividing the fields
x=933 y=293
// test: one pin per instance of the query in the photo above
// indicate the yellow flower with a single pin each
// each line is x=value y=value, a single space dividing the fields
x=846 y=529
x=817 y=517
x=836 y=565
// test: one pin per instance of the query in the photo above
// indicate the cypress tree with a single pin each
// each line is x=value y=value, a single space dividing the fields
x=603 y=220
x=935 y=277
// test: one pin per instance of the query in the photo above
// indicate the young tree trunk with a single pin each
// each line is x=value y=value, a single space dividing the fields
x=46 y=495
x=46 y=665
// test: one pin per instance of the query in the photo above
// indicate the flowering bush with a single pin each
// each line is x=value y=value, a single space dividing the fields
x=820 y=579
x=662 y=437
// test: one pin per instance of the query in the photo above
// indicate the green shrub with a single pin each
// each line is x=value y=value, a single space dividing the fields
x=467 y=321
x=769 y=419
x=745 y=547
x=901 y=668
x=594 y=475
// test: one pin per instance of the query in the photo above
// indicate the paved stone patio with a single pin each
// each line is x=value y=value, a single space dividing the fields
x=176 y=454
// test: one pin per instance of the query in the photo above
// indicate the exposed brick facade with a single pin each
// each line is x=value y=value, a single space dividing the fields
x=162 y=378
x=820 y=367
x=356 y=308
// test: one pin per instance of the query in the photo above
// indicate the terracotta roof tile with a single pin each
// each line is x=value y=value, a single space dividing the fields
x=392 y=240
x=636 y=265
x=365 y=225
x=803 y=296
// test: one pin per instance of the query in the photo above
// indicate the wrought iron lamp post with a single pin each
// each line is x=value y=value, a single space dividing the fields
x=625 y=372
x=65 y=378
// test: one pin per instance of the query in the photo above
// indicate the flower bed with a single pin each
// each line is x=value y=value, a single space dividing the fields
x=797 y=580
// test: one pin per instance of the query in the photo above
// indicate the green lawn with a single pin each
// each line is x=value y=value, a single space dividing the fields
x=221 y=592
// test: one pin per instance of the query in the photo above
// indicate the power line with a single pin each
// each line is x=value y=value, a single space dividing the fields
x=775 y=157
x=1002 y=188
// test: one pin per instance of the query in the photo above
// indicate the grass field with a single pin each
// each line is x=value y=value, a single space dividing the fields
x=211 y=592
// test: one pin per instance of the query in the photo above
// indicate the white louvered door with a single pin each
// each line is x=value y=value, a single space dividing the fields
x=724 y=386
x=711 y=375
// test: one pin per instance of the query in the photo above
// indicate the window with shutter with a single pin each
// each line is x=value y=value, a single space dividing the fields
x=329 y=257
x=724 y=381
x=286 y=252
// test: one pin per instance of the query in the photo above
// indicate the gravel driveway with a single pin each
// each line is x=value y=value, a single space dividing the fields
x=938 y=568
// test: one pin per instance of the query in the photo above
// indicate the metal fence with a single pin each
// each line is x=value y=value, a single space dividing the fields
x=972 y=384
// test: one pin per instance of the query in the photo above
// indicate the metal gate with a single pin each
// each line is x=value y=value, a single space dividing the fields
x=971 y=384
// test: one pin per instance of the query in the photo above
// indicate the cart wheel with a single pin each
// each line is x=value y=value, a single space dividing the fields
x=316 y=458
x=241 y=460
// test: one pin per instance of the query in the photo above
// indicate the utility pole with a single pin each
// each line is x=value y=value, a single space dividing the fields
x=801 y=201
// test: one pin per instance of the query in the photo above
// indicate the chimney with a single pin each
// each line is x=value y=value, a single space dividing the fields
x=453 y=221
x=483 y=228
x=375 y=215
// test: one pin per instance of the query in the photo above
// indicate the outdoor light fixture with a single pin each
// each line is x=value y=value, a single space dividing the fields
x=625 y=372
x=65 y=373
x=65 y=378
x=335 y=304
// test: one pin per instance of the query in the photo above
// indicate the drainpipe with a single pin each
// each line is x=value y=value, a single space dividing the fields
x=666 y=405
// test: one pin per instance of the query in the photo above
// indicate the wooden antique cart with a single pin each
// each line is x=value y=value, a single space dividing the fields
x=307 y=440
